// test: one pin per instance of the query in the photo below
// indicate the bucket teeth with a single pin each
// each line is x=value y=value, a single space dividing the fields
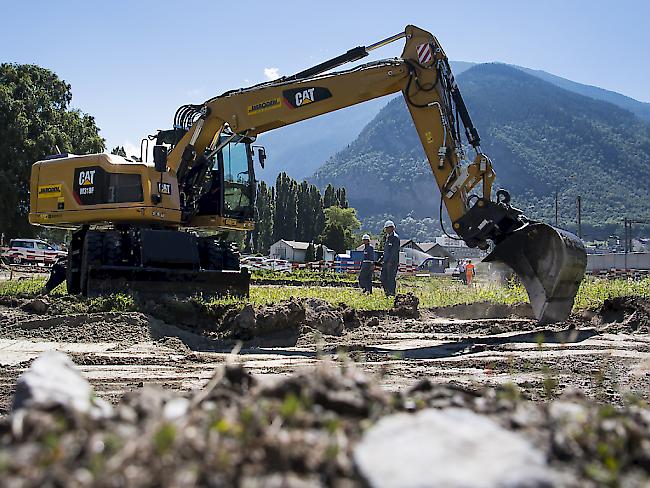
x=550 y=263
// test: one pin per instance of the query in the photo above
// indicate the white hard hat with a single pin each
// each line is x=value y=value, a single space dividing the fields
x=365 y=236
x=389 y=223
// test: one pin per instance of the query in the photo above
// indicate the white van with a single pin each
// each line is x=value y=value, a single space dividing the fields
x=32 y=251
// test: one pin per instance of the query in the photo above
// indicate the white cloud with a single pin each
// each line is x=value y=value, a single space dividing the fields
x=194 y=92
x=272 y=73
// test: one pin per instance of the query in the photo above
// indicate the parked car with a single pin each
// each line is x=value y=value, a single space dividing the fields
x=278 y=265
x=453 y=272
x=253 y=262
x=32 y=251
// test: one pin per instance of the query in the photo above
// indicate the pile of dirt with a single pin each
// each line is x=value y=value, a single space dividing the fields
x=302 y=430
x=406 y=306
x=292 y=317
x=124 y=328
x=627 y=314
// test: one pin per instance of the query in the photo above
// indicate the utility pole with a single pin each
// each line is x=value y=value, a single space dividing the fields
x=625 y=224
x=579 y=204
x=556 y=209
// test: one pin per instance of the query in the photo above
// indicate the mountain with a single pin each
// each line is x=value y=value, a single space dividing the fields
x=300 y=149
x=541 y=138
x=641 y=109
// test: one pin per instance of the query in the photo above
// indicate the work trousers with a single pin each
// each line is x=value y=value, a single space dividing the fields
x=388 y=275
x=365 y=276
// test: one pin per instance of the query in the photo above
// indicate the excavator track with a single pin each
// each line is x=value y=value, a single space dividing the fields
x=151 y=263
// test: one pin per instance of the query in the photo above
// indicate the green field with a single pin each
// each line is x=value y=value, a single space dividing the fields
x=432 y=292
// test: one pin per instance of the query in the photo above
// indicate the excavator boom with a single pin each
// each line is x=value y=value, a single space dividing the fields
x=549 y=261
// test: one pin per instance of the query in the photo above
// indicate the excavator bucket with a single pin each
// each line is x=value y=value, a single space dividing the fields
x=550 y=263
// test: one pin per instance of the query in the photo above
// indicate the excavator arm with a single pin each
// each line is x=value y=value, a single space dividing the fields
x=550 y=262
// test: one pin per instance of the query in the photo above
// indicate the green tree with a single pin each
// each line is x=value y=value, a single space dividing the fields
x=319 y=252
x=334 y=237
x=310 y=254
x=310 y=217
x=285 y=216
x=341 y=198
x=263 y=232
x=119 y=151
x=329 y=199
x=35 y=119
x=345 y=217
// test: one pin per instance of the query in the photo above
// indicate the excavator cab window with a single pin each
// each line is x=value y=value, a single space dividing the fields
x=235 y=164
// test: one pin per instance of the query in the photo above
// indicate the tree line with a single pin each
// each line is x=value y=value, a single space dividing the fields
x=297 y=211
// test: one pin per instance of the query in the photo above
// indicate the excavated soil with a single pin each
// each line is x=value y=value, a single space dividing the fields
x=305 y=430
x=605 y=353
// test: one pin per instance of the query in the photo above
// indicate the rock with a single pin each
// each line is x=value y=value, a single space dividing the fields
x=53 y=380
x=373 y=322
x=36 y=306
x=320 y=315
x=406 y=306
x=449 y=447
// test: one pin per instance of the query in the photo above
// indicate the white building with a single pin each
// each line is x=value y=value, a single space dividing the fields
x=295 y=251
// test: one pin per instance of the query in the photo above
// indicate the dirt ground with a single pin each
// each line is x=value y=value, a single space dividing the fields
x=606 y=354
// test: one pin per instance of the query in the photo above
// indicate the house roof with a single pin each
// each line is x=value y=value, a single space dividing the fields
x=437 y=248
x=301 y=246
x=426 y=246
x=406 y=242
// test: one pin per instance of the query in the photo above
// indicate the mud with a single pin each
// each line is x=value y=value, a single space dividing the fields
x=301 y=430
x=624 y=314
x=606 y=353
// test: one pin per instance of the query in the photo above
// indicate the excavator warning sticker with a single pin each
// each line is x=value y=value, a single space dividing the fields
x=49 y=191
x=425 y=54
x=299 y=97
x=258 y=108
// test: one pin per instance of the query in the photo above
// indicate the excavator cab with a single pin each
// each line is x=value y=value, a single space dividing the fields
x=230 y=188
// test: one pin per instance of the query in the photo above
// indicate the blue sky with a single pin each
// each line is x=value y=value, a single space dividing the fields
x=132 y=63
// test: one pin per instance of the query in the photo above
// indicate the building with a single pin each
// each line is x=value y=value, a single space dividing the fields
x=295 y=251
x=409 y=244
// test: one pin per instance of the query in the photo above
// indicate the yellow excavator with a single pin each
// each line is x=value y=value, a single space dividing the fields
x=139 y=226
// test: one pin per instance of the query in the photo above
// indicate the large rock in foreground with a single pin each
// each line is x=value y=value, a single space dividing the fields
x=450 y=447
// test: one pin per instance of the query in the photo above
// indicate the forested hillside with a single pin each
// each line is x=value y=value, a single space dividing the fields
x=540 y=137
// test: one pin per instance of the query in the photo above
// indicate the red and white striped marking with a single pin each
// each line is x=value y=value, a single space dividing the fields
x=425 y=54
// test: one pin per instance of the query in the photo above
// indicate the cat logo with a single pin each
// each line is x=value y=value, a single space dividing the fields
x=165 y=188
x=304 y=97
x=87 y=178
x=299 y=97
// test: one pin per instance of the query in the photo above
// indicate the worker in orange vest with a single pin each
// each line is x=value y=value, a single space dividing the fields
x=470 y=272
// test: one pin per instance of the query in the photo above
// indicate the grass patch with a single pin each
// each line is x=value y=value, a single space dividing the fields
x=432 y=292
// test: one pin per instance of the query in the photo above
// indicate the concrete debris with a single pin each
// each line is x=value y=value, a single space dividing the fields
x=54 y=381
x=450 y=447
x=326 y=426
